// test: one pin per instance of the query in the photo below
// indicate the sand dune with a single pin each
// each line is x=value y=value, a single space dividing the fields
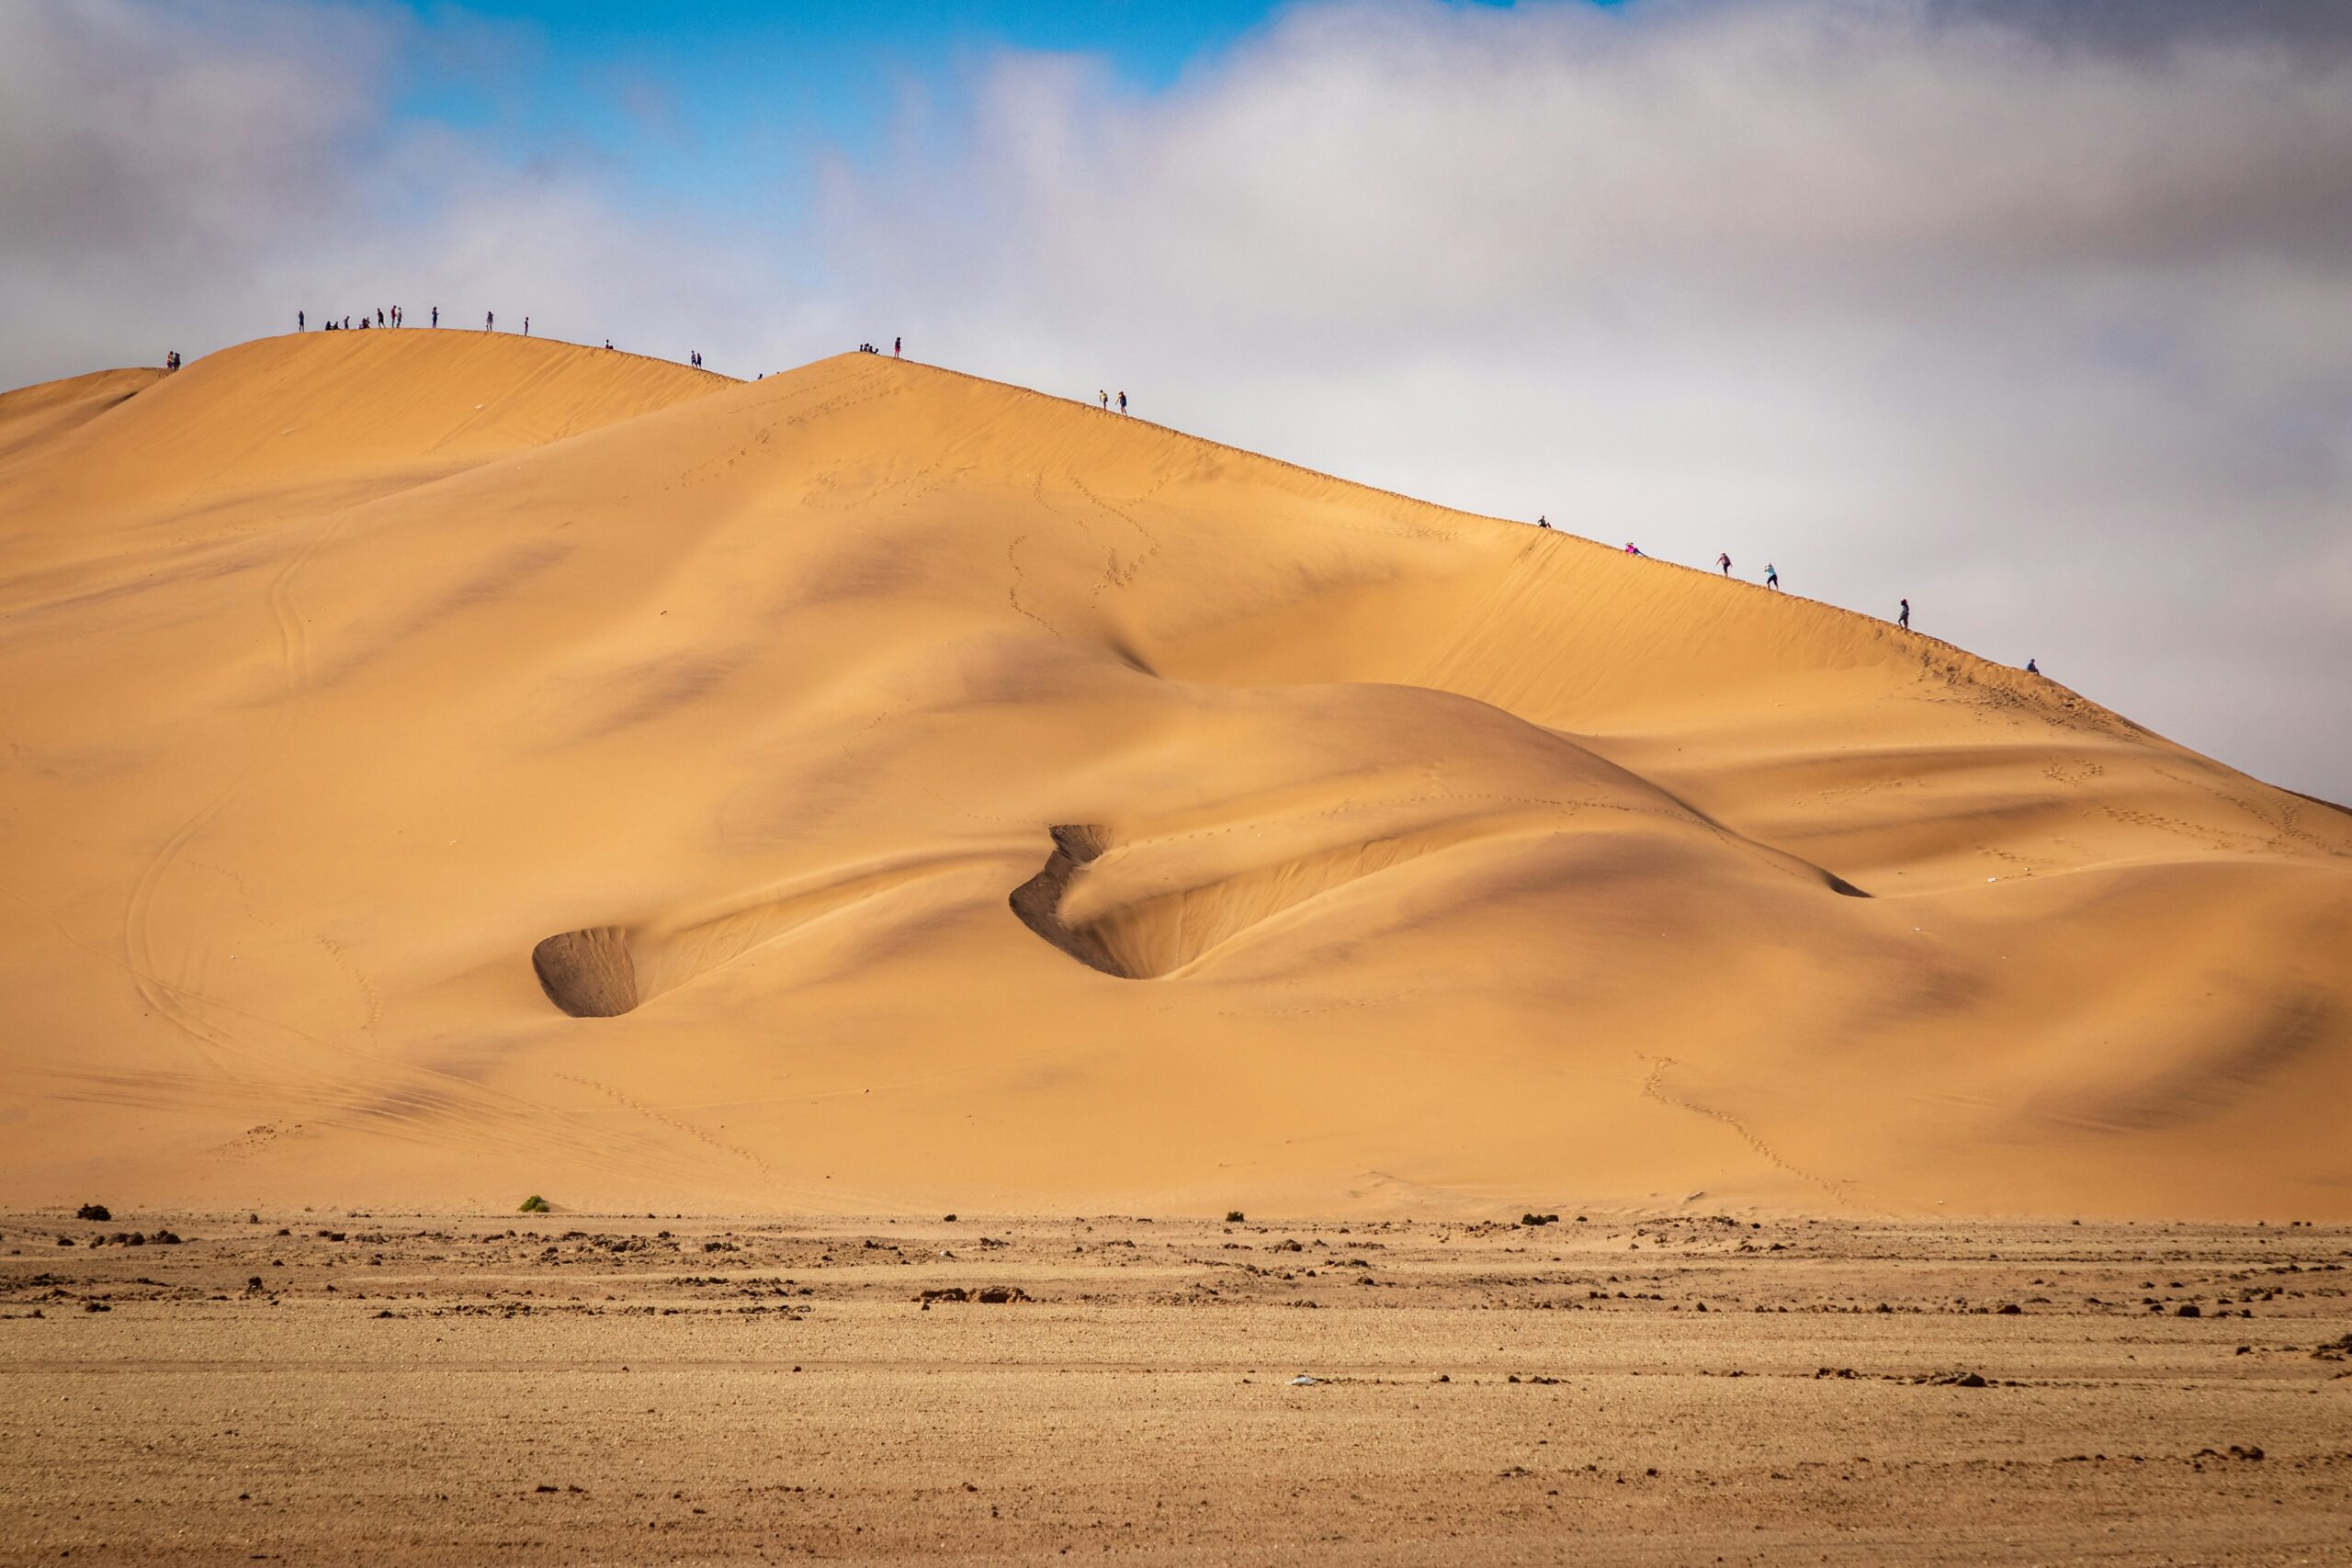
x=440 y=767
x=48 y=410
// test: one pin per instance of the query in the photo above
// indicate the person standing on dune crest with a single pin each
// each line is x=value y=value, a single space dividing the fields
x=1904 y=618
x=1772 y=577
x=1106 y=401
x=897 y=348
x=437 y=315
x=1123 y=403
x=1724 y=560
x=489 y=321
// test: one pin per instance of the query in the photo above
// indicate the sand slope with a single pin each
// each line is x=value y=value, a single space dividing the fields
x=1370 y=855
x=43 y=413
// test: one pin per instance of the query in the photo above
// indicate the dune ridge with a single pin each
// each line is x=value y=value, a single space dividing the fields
x=442 y=763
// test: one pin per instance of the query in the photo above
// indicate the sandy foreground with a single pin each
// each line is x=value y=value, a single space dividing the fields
x=331 y=1387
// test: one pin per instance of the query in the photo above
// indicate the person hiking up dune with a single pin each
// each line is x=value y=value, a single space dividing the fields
x=1904 y=618
x=1123 y=403
x=1772 y=577
x=1724 y=560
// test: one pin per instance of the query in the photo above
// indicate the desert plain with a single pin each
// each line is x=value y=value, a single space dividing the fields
x=762 y=818
x=1691 y=1387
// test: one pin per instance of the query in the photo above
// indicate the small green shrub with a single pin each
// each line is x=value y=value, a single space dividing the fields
x=534 y=1204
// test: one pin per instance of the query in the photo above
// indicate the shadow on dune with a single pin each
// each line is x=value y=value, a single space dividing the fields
x=1038 y=901
x=588 y=974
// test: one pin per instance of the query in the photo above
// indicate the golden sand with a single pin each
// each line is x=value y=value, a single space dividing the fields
x=917 y=790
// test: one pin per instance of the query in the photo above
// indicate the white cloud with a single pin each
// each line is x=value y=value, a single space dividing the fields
x=190 y=175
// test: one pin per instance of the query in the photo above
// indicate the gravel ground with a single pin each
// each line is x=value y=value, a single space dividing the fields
x=333 y=1388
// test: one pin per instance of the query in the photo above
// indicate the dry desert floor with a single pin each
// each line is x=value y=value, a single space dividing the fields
x=340 y=1387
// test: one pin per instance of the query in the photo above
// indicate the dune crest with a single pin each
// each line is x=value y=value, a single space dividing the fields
x=443 y=764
